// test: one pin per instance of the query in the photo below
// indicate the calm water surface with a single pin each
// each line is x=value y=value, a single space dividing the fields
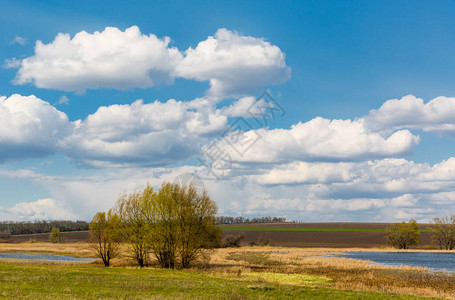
x=435 y=261
x=46 y=257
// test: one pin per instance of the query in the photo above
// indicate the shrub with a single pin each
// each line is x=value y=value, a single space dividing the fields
x=55 y=236
x=232 y=240
x=5 y=234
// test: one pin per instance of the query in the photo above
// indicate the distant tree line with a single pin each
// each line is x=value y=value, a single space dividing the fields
x=221 y=220
x=14 y=228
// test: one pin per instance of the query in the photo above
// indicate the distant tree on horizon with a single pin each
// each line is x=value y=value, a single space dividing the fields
x=41 y=226
x=55 y=236
x=222 y=220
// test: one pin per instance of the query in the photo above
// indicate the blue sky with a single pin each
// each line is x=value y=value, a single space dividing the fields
x=328 y=64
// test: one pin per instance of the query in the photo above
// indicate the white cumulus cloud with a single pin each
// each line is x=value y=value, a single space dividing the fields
x=143 y=134
x=437 y=115
x=317 y=140
x=108 y=59
x=30 y=127
x=234 y=64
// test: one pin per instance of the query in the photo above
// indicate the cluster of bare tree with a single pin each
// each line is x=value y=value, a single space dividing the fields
x=241 y=220
x=10 y=227
x=174 y=224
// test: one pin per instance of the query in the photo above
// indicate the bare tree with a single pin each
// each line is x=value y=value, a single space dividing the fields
x=105 y=239
x=443 y=232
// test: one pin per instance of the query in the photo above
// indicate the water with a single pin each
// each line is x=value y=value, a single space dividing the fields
x=46 y=257
x=434 y=261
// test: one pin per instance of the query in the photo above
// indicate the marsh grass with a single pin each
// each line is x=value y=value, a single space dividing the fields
x=231 y=273
x=74 y=249
x=253 y=258
x=344 y=273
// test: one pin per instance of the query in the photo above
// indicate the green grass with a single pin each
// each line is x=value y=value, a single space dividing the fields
x=251 y=228
x=41 y=281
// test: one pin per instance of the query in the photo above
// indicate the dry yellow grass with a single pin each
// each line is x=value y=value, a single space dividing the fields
x=345 y=273
x=75 y=249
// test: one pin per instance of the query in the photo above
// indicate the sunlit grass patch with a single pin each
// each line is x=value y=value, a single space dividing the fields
x=290 y=279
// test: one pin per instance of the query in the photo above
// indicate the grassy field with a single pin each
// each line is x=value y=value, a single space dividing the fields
x=41 y=281
x=231 y=273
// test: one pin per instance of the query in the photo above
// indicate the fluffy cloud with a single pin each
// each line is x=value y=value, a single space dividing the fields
x=234 y=64
x=140 y=134
x=437 y=115
x=44 y=209
x=108 y=59
x=30 y=127
x=143 y=134
x=317 y=140
x=157 y=134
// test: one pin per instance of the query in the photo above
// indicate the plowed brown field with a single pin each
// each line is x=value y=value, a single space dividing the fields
x=337 y=239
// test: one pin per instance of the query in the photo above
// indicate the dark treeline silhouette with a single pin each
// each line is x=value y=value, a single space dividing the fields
x=220 y=220
x=13 y=228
